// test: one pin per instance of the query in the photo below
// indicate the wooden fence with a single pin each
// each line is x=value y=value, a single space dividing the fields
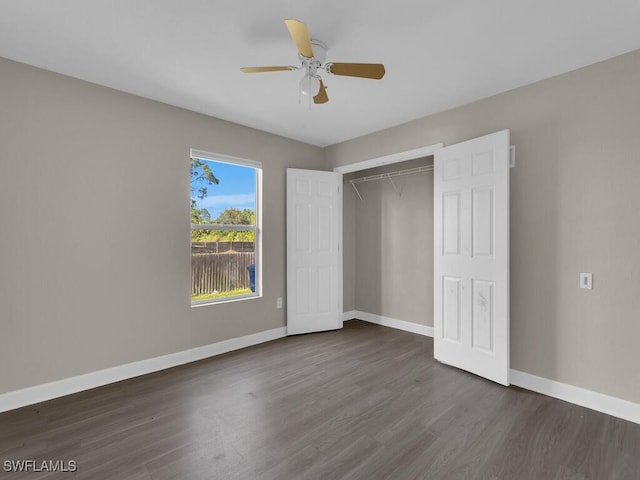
x=222 y=247
x=220 y=272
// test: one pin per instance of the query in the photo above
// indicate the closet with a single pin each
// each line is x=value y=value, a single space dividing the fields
x=390 y=255
x=388 y=241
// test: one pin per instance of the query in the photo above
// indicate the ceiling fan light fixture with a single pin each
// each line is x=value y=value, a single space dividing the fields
x=310 y=85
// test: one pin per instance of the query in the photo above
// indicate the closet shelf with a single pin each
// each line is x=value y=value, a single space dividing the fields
x=388 y=175
x=399 y=173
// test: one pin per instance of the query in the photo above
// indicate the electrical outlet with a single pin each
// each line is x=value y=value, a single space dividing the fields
x=279 y=302
x=586 y=281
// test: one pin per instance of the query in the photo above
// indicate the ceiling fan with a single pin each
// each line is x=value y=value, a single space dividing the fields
x=312 y=54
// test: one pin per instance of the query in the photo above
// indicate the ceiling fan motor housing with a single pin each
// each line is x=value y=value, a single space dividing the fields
x=319 y=50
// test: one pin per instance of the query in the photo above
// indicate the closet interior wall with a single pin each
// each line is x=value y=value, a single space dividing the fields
x=388 y=243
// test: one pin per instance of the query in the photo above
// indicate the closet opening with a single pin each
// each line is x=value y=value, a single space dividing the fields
x=388 y=244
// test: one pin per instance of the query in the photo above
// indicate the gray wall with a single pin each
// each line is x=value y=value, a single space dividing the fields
x=348 y=249
x=574 y=208
x=94 y=235
x=391 y=237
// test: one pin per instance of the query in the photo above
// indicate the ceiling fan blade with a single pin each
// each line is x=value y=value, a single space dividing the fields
x=264 y=69
x=300 y=36
x=363 y=70
x=322 y=96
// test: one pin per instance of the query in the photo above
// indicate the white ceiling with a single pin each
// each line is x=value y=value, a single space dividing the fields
x=438 y=54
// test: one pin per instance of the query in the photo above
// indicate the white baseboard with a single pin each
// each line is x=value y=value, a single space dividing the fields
x=67 y=386
x=350 y=315
x=579 y=396
x=390 y=322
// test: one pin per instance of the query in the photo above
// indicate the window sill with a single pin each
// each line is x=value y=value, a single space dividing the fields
x=217 y=301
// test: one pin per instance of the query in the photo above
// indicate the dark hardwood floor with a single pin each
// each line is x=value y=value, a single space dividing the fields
x=365 y=402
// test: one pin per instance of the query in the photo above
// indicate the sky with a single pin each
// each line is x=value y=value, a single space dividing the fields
x=236 y=189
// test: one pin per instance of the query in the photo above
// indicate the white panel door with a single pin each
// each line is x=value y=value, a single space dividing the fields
x=314 y=226
x=471 y=258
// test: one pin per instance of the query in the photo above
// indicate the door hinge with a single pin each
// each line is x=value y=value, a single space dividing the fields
x=512 y=156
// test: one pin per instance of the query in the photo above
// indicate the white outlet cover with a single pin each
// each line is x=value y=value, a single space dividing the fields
x=586 y=281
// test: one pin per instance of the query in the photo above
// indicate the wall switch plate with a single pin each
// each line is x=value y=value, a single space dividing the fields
x=279 y=302
x=586 y=281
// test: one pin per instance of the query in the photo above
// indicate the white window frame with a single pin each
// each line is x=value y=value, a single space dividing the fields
x=257 y=228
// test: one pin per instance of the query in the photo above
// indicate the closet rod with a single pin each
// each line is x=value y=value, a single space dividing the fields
x=380 y=176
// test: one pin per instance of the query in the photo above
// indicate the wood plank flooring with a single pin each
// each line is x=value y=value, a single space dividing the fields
x=365 y=402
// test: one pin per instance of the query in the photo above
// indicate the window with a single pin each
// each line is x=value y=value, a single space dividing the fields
x=225 y=228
